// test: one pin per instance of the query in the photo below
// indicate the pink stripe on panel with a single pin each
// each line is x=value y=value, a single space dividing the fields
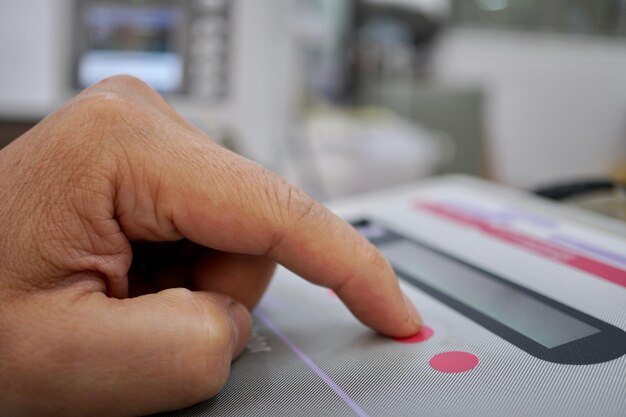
x=545 y=249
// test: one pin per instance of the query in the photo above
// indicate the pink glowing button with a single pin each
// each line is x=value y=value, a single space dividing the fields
x=454 y=362
x=423 y=335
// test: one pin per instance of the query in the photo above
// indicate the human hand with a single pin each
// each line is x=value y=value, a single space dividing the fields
x=132 y=248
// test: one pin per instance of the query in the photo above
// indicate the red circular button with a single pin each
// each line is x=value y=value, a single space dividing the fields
x=454 y=362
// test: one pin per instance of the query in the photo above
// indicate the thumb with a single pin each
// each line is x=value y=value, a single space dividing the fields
x=138 y=356
x=173 y=349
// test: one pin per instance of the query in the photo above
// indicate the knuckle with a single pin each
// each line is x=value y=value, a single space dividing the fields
x=372 y=257
x=214 y=318
x=104 y=106
x=276 y=195
x=109 y=119
x=218 y=337
x=287 y=203
x=220 y=344
x=92 y=118
x=209 y=324
x=185 y=296
x=124 y=82
x=303 y=206
x=221 y=332
x=284 y=208
x=216 y=323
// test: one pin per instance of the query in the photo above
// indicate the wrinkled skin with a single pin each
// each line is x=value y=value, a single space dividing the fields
x=132 y=249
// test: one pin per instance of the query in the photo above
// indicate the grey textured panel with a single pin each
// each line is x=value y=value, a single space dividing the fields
x=271 y=383
x=310 y=357
x=387 y=378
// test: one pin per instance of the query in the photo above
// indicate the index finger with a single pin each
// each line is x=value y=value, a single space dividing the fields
x=324 y=249
x=226 y=202
x=221 y=200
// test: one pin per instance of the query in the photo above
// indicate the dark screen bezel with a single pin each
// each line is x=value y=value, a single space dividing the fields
x=608 y=344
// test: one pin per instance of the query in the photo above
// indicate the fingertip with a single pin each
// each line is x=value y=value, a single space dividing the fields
x=414 y=315
x=404 y=322
x=242 y=326
x=414 y=319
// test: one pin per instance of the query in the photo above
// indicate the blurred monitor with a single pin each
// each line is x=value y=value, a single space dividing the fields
x=178 y=47
x=141 y=41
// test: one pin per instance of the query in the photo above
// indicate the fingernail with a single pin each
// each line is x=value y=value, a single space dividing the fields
x=242 y=326
x=413 y=314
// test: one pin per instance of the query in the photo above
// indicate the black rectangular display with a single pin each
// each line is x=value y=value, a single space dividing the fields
x=535 y=323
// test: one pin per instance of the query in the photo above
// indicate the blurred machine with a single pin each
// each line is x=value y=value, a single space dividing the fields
x=181 y=48
x=224 y=64
x=177 y=47
x=238 y=69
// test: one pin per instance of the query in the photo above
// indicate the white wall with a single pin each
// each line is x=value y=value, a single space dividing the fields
x=264 y=78
x=556 y=106
x=32 y=50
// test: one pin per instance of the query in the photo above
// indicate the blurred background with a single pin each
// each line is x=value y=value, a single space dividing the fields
x=348 y=96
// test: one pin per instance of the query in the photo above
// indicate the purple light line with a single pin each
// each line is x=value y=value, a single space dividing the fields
x=503 y=215
x=590 y=248
x=309 y=362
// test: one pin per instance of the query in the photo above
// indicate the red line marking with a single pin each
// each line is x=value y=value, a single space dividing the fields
x=547 y=250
